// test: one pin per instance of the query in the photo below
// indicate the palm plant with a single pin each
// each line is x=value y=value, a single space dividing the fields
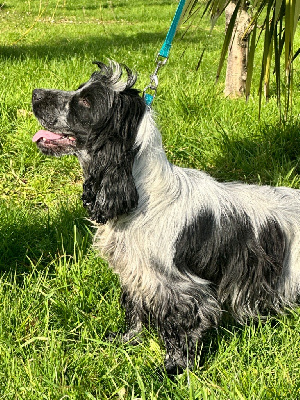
x=273 y=20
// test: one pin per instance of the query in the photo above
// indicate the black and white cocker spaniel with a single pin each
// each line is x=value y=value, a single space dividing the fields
x=186 y=247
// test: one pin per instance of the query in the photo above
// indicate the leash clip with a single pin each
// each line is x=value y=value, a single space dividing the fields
x=148 y=97
x=160 y=63
x=164 y=53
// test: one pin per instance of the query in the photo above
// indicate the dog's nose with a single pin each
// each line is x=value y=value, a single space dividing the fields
x=37 y=95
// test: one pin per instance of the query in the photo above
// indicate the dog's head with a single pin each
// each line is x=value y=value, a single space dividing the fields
x=98 y=123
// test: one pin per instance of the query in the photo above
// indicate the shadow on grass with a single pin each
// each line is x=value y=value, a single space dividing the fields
x=272 y=155
x=102 y=43
x=65 y=47
x=32 y=235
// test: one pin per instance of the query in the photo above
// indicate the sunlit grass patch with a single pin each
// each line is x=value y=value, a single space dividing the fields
x=58 y=298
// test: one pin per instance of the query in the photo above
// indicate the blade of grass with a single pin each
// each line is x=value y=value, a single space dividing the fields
x=277 y=67
x=250 y=62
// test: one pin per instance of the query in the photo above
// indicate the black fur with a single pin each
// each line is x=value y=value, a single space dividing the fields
x=215 y=252
x=109 y=190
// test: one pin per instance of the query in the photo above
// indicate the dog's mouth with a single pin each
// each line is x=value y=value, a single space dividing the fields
x=54 y=143
x=51 y=138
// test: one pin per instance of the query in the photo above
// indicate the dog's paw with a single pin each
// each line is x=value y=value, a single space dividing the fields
x=175 y=364
x=173 y=369
x=111 y=337
x=132 y=338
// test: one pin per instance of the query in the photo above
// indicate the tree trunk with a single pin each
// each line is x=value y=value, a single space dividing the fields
x=236 y=72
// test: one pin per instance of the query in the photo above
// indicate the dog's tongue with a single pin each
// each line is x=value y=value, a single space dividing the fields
x=46 y=135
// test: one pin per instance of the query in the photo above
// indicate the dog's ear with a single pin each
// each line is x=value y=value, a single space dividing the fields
x=109 y=190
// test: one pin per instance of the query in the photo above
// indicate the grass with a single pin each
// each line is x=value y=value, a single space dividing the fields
x=57 y=298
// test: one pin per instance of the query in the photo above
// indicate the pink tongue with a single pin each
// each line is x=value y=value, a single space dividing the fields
x=46 y=135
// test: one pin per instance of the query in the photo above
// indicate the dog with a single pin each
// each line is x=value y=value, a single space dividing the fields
x=187 y=248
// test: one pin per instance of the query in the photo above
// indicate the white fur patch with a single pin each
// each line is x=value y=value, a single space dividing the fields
x=140 y=247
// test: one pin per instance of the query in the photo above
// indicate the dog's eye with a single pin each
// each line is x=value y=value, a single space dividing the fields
x=84 y=102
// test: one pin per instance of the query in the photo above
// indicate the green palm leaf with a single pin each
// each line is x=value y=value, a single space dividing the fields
x=280 y=21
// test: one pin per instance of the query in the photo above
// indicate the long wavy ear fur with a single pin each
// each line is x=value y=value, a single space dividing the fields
x=109 y=189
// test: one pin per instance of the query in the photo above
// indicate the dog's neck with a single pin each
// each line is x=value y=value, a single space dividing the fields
x=151 y=167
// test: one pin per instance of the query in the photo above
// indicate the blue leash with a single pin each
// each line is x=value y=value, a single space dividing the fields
x=164 y=53
x=166 y=47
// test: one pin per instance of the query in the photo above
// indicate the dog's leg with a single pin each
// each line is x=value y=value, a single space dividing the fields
x=133 y=323
x=132 y=320
x=182 y=348
x=187 y=312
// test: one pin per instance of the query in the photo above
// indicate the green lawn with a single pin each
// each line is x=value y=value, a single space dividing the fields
x=57 y=299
